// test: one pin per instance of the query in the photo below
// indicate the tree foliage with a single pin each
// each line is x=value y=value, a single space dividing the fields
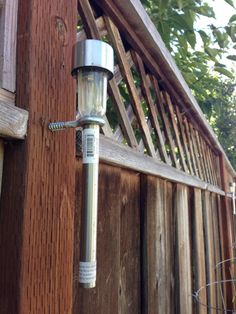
x=212 y=83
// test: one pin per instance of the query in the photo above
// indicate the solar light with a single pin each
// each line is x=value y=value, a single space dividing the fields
x=93 y=66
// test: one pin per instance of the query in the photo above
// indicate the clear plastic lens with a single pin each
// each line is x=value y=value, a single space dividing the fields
x=92 y=93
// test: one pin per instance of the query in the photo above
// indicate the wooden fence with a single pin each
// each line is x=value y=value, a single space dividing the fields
x=165 y=216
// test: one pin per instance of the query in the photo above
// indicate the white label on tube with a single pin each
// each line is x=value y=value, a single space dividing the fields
x=87 y=272
x=90 y=146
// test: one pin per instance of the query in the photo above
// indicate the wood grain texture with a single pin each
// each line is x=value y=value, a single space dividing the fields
x=117 y=154
x=199 y=251
x=218 y=257
x=106 y=297
x=8 y=30
x=13 y=120
x=183 y=249
x=210 y=251
x=157 y=246
x=37 y=203
x=130 y=251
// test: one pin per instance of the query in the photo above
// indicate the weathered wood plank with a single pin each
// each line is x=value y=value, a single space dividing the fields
x=13 y=120
x=150 y=103
x=210 y=252
x=199 y=251
x=123 y=156
x=37 y=201
x=105 y=298
x=130 y=248
x=157 y=246
x=8 y=28
x=223 y=248
x=127 y=75
x=183 y=248
x=218 y=258
x=227 y=231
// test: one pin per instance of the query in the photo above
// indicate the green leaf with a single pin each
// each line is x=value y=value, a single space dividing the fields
x=230 y=2
x=224 y=72
x=205 y=38
x=231 y=31
x=212 y=52
x=191 y=38
x=205 y=10
x=221 y=38
x=232 y=19
x=231 y=57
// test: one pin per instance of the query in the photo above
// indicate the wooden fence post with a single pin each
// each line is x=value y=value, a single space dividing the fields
x=38 y=190
x=227 y=232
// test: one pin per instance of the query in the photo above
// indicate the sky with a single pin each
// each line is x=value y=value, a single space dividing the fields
x=223 y=12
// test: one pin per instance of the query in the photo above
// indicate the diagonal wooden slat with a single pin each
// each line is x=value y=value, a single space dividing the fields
x=212 y=165
x=207 y=160
x=215 y=167
x=196 y=153
x=81 y=35
x=126 y=127
x=126 y=72
x=176 y=131
x=148 y=97
x=209 y=166
x=184 y=139
x=201 y=157
x=166 y=123
x=190 y=144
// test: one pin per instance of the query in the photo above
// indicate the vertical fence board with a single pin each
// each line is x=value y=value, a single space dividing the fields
x=157 y=245
x=210 y=254
x=199 y=251
x=218 y=258
x=183 y=247
x=130 y=268
x=105 y=297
